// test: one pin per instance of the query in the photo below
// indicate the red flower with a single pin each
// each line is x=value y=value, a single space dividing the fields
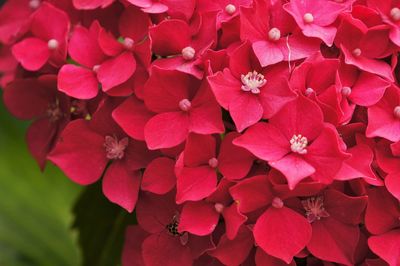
x=182 y=105
x=273 y=34
x=86 y=147
x=48 y=43
x=249 y=91
x=299 y=144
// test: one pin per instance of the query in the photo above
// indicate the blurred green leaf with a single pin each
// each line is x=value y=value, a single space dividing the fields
x=101 y=225
x=35 y=215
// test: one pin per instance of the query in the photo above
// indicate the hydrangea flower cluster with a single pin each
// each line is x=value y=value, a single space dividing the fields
x=241 y=132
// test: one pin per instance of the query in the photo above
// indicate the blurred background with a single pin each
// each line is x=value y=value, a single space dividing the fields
x=35 y=207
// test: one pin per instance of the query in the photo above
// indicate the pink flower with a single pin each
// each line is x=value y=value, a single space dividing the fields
x=273 y=34
x=86 y=148
x=249 y=91
x=299 y=144
x=177 y=8
x=49 y=28
x=181 y=104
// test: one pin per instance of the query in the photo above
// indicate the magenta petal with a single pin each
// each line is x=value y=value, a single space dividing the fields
x=234 y=251
x=392 y=182
x=246 y=110
x=157 y=249
x=159 y=176
x=233 y=220
x=264 y=259
x=195 y=183
x=253 y=140
x=80 y=153
x=32 y=53
x=334 y=241
x=166 y=130
x=116 y=71
x=387 y=247
x=268 y=53
x=294 y=167
x=198 y=218
x=121 y=186
x=78 y=82
x=282 y=233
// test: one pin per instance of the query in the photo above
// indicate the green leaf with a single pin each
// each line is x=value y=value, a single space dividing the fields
x=101 y=225
x=35 y=207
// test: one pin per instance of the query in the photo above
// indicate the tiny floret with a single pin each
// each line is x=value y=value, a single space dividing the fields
x=52 y=44
x=309 y=91
x=274 y=34
x=277 y=203
x=253 y=81
x=396 y=112
x=128 y=43
x=213 y=162
x=308 y=18
x=96 y=68
x=188 y=53
x=357 y=52
x=230 y=9
x=185 y=105
x=314 y=208
x=395 y=13
x=115 y=148
x=34 y=4
x=219 y=207
x=298 y=144
x=346 y=91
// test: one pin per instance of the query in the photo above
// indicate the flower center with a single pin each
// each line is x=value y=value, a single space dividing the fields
x=277 y=203
x=115 y=148
x=213 y=162
x=34 y=4
x=230 y=9
x=128 y=43
x=54 y=112
x=274 y=34
x=357 y=52
x=308 y=91
x=52 y=44
x=308 y=18
x=185 y=105
x=314 y=207
x=298 y=144
x=253 y=81
x=173 y=226
x=219 y=207
x=395 y=13
x=188 y=53
x=96 y=68
x=346 y=91
x=396 y=112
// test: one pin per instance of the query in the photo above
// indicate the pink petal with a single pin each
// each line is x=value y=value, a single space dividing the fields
x=387 y=247
x=334 y=241
x=199 y=149
x=132 y=116
x=166 y=130
x=268 y=53
x=32 y=53
x=225 y=87
x=246 y=110
x=294 y=167
x=282 y=233
x=116 y=71
x=263 y=258
x=252 y=193
x=234 y=251
x=121 y=186
x=198 y=218
x=233 y=220
x=392 y=182
x=368 y=90
x=254 y=141
x=159 y=176
x=78 y=82
x=80 y=153
x=195 y=183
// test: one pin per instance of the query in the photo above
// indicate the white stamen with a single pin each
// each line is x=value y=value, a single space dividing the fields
x=346 y=91
x=128 y=43
x=185 y=105
x=308 y=91
x=396 y=112
x=34 y=4
x=308 y=18
x=298 y=144
x=188 y=53
x=52 y=44
x=395 y=13
x=274 y=34
x=357 y=52
x=253 y=81
x=230 y=9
